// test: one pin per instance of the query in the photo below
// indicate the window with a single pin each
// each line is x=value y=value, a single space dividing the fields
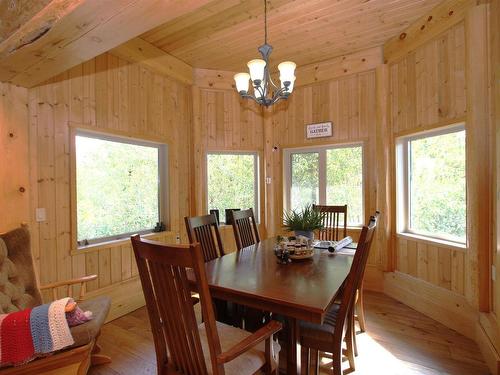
x=119 y=187
x=431 y=184
x=325 y=175
x=232 y=182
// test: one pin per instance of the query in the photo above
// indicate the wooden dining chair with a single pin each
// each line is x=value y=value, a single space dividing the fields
x=245 y=228
x=337 y=324
x=246 y=234
x=334 y=226
x=182 y=346
x=359 y=305
x=205 y=230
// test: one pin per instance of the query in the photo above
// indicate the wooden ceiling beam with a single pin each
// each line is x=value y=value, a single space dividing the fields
x=15 y=13
x=68 y=32
x=138 y=50
x=427 y=27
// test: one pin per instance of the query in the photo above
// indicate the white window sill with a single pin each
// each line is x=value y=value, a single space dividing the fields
x=111 y=243
x=432 y=241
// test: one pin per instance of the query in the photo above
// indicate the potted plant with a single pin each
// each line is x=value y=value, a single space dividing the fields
x=303 y=222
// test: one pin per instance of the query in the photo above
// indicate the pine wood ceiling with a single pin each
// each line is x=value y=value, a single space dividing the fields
x=225 y=34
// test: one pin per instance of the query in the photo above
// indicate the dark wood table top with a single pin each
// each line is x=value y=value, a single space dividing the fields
x=301 y=290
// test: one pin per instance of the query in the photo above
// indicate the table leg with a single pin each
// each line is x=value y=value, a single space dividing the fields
x=293 y=347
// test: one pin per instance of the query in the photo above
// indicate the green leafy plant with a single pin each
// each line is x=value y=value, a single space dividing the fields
x=306 y=219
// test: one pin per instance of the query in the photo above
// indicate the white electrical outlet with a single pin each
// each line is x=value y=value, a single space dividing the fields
x=268 y=180
x=40 y=214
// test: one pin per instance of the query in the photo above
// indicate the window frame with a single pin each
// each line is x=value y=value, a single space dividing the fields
x=403 y=184
x=163 y=183
x=256 y=160
x=322 y=178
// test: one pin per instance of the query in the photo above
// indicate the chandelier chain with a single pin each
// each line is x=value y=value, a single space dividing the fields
x=265 y=21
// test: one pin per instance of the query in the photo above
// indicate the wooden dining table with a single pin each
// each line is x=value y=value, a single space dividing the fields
x=301 y=290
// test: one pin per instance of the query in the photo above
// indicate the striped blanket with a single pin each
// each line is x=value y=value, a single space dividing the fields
x=31 y=333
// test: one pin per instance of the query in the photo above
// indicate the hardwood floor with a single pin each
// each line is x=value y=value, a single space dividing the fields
x=398 y=341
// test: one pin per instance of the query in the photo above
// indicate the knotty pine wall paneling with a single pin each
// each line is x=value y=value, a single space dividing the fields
x=222 y=121
x=427 y=90
x=14 y=157
x=350 y=103
x=442 y=78
x=112 y=96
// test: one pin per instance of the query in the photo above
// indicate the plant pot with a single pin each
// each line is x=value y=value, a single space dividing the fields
x=306 y=233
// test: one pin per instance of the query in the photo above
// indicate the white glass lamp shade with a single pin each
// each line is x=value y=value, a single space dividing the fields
x=242 y=81
x=287 y=71
x=290 y=87
x=256 y=68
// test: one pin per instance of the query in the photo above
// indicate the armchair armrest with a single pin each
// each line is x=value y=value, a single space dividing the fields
x=67 y=283
x=264 y=333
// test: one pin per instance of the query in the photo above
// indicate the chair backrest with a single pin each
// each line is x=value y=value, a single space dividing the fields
x=355 y=276
x=245 y=228
x=163 y=270
x=205 y=230
x=373 y=222
x=333 y=228
x=19 y=288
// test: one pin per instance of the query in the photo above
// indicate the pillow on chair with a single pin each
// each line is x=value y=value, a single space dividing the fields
x=13 y=295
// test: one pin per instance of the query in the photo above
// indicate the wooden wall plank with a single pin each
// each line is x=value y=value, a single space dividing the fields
x=479 y=193
x=427 y=85
x=14 y=148
x=439 y=20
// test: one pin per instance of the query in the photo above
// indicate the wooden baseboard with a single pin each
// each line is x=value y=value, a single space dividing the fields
x=126 y=297
x=442 y=305
x=374 y=278
x=488 y=340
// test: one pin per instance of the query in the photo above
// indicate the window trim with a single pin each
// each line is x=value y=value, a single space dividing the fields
x=163 y=183
x=321 y=150
x=403 y=176
x=256 y=159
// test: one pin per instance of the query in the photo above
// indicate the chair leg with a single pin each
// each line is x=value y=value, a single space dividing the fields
x=349 y=340
x=98 y=359
x=314 y=361
x=337 y=358
x=97 y=349
x=304 y=360
x=354 y=342
x=360 y=311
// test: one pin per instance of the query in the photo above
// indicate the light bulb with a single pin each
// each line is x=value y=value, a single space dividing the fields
x=287 y=70
x=241 y=80
x=256 y=68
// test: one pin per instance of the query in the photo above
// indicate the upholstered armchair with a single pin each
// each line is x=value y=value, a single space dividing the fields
x=19 y=290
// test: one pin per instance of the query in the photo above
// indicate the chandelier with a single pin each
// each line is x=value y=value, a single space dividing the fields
x=265 y=92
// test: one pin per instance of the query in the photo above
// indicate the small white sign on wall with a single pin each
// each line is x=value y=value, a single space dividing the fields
x=319 y=130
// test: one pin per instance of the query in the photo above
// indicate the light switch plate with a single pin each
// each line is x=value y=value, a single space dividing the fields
x=40 y=214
